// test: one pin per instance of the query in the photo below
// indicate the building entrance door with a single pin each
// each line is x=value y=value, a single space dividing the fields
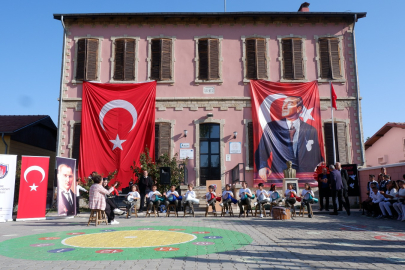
x=210 y=165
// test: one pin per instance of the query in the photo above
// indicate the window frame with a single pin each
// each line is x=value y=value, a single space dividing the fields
x=112 y=59
x=318 y=59
x=172 y=124
x=149 y=59
x=197 y=59
x=248 y=167
x=76 y=39
x=244 y=60
x=281 y=57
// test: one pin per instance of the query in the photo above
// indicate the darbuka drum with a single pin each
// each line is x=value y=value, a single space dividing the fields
x=274 y=196
x=281 y=213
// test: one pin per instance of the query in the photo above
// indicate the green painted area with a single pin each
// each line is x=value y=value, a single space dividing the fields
x=19 y=248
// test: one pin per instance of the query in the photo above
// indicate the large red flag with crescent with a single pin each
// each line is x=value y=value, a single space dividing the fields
x=287 y=127
x=33 y=188
x=118 y=122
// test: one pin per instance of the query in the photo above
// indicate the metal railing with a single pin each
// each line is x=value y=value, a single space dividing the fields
x=185 y=178
x=236 y=173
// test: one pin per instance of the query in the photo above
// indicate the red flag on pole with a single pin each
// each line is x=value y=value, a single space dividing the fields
x=118 y=122
x=334 y=97
x=33 y=188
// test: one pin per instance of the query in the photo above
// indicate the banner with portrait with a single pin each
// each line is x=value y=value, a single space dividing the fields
x=353 y=183
x=7 y=184
x=287 y=126
x=65 y=175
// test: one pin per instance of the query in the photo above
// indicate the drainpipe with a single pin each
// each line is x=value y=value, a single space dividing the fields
x=360 y=124
x=61 y=90
x=5 y=144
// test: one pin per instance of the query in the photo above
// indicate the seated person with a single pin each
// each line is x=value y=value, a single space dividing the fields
x=154 y=197
x=190 y=198
x=389 y=197
x=245 y=196
x=371 y=177
x=110 y=198
x=211 y=198
x=171 y=197
x=373 y=206
x=290 y=197
x=400 y=196
x=274 y=195
x=307 y=196
x=226 y=198
x=131 y=199
x=262 y=198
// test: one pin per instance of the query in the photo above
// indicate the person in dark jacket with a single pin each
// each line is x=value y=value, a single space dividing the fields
x=345 y=193
x=324 y=190
x=145 y=186
x=336 y=186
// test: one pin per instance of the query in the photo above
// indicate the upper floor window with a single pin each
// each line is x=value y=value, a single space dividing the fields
x=256 y=58
x=87 y=59
x=329 y=58
x=162 y=139
x=161 y=59
x=293 y=64
x=124 y=59
x=208 y=59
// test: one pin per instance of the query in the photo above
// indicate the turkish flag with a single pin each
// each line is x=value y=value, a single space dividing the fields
x=118 y=122
x=33 y=188
x=287 y=127
x=334 y=96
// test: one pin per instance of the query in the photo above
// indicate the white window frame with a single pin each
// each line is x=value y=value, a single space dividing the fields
x=318 y=59
x=112 y=59
x=149 y=59
x=100 y=40
x=281 y=58
x=243 y=38
x=197 y=59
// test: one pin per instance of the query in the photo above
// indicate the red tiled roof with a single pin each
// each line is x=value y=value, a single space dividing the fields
x=382 y=132
x=11 y=123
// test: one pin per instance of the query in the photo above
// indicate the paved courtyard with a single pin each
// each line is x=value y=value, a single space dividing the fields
x=323 y=242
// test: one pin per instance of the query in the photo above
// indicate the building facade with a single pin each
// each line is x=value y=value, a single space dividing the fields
x=203 y=63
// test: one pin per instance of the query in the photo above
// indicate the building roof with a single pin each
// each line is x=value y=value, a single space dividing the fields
x=382 y=132
x=13 y=123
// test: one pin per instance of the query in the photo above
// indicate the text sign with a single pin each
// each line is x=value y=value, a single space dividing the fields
x=186 y=153
x=184 y=145
x=209 y=90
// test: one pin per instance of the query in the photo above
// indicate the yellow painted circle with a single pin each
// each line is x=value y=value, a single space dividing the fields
x=129 y=239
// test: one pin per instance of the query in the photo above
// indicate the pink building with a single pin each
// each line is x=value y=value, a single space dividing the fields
x=386 y=146
x=203 y=63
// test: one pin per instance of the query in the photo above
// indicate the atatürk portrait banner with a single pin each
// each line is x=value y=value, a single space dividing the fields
x=286 y=126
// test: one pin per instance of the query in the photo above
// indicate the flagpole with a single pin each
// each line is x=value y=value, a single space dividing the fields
x=224 y=5
x=333 y=124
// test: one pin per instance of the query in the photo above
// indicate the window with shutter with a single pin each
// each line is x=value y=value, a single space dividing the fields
x=330 y=66
x=329 y=143
x=256 y=58
x=213 y=57
x=76 y=142
x=156 y=59
x=203 y=59
x=250 y=144
x=87 y=59
x=208 y=63
x=124 y=60
x=293 y=65
x=162 y=139
x=161 y=60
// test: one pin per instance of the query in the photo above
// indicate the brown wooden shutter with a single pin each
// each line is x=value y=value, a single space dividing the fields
x=329 y=143
x=261 y=59
x=325 y=63
x=250 y=144
x=164 y=138
x=335 y=58
x=81 y=59
x=129 y=63
x=213 y=59
x=203 y=59
x=91 y=59
x=341 y=142
x=156 y=59
x=76 y=142
x=288 y=59
x=119 y=59
x=156 y=141
x=166 y=59
x=251 y=71
x=297 y=59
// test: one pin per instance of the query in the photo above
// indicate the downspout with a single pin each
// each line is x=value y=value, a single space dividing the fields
x=5 y=144
x=359 y=117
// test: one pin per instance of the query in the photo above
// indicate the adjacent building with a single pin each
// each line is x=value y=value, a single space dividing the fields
x=203 y=63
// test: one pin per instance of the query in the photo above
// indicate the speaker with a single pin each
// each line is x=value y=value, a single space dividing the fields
x=164 y=175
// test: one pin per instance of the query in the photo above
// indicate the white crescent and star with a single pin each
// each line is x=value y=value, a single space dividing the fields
x=34 y=168
x=122 y=104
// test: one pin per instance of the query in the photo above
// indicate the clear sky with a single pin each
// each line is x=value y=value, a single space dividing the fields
x=31 y=46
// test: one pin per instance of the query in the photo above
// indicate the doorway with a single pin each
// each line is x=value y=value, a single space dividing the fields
x=210 y=159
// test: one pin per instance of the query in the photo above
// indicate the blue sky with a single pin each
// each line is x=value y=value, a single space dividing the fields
x=32 y=43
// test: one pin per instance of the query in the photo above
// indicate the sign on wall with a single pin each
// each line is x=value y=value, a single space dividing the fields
x=184 y=145
x=235 y=147
x=209 y=90
x=186 y=153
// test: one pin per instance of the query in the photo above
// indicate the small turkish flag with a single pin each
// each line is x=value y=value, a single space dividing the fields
x=33 y=187
x=118 y=122
x=333 y=96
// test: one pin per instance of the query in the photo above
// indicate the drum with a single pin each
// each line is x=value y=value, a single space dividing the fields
x=261 y=196
x=171 y=198
x=274 y=196
x=281 y=213
x=156 y=198
x=308 y=196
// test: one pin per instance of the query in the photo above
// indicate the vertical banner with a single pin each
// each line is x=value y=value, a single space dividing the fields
x=66 y=186
x=8 y=165
x=287 y=127
x=118 y=122
x=353 y=183
x=33 y=188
